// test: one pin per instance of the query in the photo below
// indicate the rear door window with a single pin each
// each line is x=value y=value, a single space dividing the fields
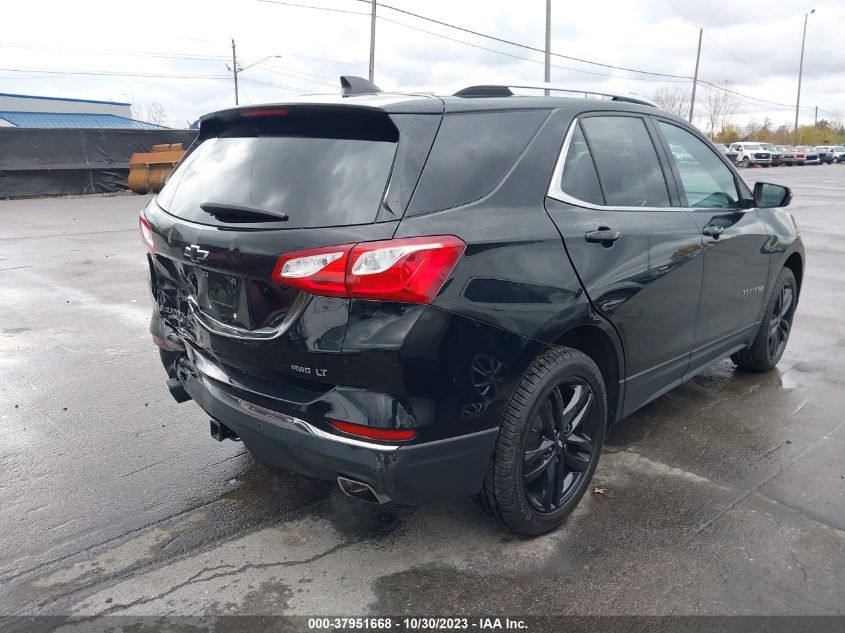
x=471 y=155
x=315 y=182
x=580 y=179
x=626 y=160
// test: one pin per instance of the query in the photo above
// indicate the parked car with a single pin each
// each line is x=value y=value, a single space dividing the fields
x=730 y=154
x=790 y=155
x=811 y=155
x=833 y=153
x=825 y=156
x=777 y=155
x=424 y=297
x=749 y=154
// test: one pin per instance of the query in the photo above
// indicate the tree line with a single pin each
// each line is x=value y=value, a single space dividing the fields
x=718 y=110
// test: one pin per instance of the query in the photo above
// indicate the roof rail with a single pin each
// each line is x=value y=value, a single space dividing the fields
x=351 y=85
x=504 y=90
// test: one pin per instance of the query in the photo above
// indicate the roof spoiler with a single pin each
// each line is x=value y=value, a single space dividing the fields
x=351 y=86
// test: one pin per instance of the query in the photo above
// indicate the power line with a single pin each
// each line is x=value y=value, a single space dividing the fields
x=682 y=78
x=519 y=45
x=514 y=56
x=109 y=73
x=485 y=48
x=174 y=56
x=709 y=37
x=311 y=6
x=103 y=73
x=711 y=84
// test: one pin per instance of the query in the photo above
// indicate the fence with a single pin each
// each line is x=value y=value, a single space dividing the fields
x=44 y=162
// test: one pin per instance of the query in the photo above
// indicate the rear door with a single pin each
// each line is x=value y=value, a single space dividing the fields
x=636 y=255
x=736 y=245
x=262 y=183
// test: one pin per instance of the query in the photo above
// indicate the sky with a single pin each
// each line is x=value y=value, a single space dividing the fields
x=175 y=53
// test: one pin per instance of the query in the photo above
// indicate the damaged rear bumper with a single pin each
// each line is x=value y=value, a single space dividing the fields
x=406 y=474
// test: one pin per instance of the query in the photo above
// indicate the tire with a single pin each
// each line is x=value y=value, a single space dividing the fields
x=746 y=163
x=557 y=416
x=773 y=334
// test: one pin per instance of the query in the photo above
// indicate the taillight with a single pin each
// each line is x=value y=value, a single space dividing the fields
x=320 y=271
x=146 y=233
x=372 y=433
x=254 y=113
x=408 y=270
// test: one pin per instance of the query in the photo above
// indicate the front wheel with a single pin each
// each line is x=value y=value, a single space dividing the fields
x=549 y=444
x=771 y=338
x=746 y=162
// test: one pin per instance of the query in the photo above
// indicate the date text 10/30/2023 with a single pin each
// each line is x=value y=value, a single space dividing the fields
x=416 y=624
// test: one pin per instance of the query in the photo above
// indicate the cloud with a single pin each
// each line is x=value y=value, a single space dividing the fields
x=174 y=53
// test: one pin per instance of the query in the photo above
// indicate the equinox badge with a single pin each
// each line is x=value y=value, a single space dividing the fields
x=195 y=254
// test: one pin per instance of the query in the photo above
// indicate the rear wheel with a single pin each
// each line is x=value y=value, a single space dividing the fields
x=548 y=445
x=770 y=342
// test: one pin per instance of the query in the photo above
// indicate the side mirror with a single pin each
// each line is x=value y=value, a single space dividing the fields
x=768 y=195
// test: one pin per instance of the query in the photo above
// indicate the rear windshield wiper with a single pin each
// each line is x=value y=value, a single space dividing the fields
x=238 y=213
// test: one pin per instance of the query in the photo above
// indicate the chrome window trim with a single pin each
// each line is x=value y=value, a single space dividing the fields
x=557 y=193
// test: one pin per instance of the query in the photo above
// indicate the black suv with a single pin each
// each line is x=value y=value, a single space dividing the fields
x=425 y=297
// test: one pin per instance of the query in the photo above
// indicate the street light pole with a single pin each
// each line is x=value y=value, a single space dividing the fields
x=372 y=41
x=695 y=77
x=235 y=69
x=239 y=69
x=548 y=73
x=800 y=73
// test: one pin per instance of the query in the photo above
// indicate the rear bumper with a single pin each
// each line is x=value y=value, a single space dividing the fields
x=408 y=475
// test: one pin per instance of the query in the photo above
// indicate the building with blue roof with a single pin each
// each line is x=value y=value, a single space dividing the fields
x=33 y=111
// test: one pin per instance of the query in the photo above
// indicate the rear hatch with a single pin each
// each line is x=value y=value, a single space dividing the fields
x=263 y=182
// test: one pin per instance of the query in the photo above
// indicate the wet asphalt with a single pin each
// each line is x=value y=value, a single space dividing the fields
x=725 y=496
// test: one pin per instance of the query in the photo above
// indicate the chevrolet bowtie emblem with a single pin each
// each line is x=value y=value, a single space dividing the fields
x=195 y=254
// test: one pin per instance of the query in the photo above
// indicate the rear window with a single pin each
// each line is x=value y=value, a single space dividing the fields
x=315 y=182
x=471 y=155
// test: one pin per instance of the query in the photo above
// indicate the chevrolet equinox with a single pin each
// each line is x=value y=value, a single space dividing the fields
x=423 y=297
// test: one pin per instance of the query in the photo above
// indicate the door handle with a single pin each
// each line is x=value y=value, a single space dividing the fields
x=712 y=230
x=603 y=236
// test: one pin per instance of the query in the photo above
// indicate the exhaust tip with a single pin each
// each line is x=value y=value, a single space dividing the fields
x=361 y=491
x=177 y=390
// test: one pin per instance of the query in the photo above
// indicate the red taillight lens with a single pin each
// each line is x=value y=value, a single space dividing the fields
x=408 y=270
x=320 y=271
x=146 y=233
x=372 y=433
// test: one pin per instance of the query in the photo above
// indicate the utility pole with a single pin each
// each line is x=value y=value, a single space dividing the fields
x=800 y=72
x=235 y=69
x=695 y=76
x=548 y=73
x=373 y=41
x=816 y=119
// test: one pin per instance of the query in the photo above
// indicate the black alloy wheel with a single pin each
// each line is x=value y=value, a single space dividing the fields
x=780 y=323
x=560 y=444
x=549 y=443
x=772 y=335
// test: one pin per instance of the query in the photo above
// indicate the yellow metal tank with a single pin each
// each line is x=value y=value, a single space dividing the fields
x=149 y=170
